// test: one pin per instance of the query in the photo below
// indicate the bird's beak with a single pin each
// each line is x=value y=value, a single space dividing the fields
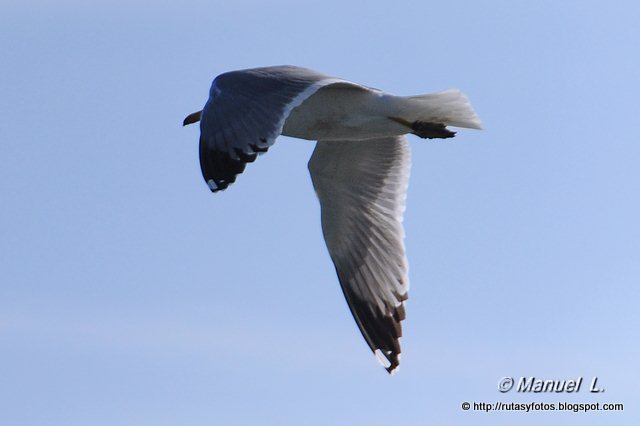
x=192 y=118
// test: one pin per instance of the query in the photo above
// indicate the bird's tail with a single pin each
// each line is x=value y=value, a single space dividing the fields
x=450 y=107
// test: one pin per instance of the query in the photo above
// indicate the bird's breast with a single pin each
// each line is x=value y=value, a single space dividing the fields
x=338 y=113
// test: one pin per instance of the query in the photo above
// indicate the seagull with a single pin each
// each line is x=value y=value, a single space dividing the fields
x=359 y=169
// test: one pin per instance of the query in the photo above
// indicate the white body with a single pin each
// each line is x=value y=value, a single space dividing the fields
x=349 y=112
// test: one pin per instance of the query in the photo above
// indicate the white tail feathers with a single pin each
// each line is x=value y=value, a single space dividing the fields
x=450 y=107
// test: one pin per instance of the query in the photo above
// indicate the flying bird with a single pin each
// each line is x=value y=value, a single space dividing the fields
x=360 y=170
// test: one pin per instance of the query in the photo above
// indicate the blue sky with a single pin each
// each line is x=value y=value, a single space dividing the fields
x=131 y=295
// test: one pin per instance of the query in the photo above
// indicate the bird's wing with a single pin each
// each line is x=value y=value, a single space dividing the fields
x=245 y=114
x=362 y=188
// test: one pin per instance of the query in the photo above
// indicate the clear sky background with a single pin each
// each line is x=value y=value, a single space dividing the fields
x=131 y=295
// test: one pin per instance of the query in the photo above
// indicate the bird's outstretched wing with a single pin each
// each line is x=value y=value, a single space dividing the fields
x=245 y=114
x=362 y=188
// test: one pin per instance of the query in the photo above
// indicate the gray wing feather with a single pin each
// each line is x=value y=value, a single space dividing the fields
x=362 y=188
x=245 y=114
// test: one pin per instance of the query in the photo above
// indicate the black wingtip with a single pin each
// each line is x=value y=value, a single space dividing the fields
x=219 y=169
x=393 y=368
x=390 y=360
